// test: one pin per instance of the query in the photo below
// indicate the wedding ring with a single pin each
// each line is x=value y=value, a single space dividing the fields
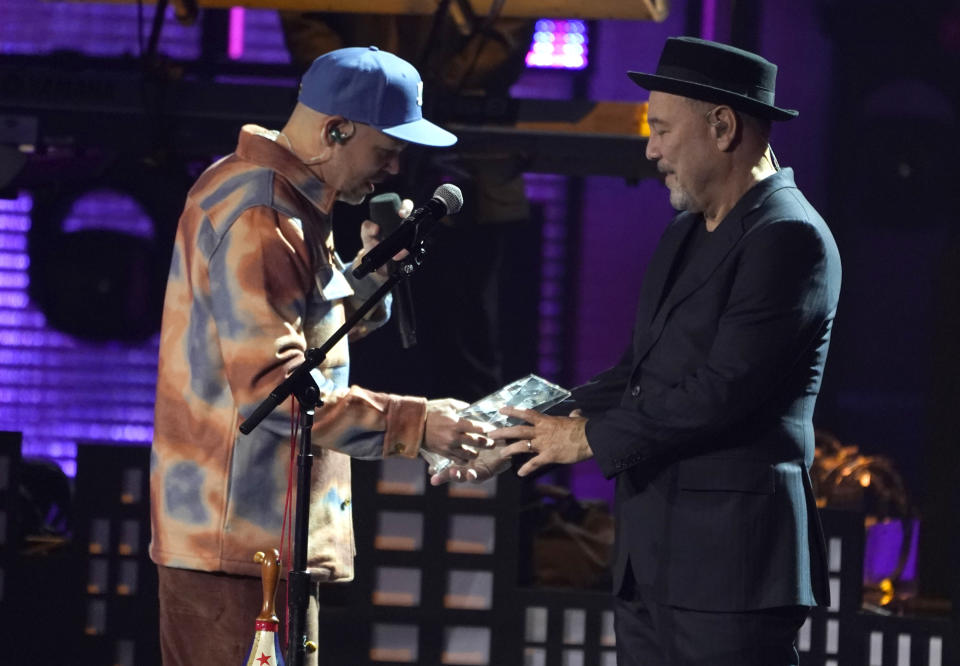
x=529 y=445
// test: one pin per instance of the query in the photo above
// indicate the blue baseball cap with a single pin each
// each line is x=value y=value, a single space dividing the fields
x=374 y=87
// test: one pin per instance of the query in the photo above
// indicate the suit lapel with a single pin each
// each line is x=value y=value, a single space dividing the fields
x=650 y=318
x=655 y=279
x=701 y=267
x=697 y=272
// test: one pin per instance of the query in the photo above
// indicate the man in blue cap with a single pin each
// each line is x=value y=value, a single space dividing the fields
x=361 y=96
x=706 y=421
x=254 y=282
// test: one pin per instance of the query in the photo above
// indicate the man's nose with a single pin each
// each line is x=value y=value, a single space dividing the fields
x=652 y=152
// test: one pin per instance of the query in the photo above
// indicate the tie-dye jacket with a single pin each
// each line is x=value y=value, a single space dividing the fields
x=243 y=302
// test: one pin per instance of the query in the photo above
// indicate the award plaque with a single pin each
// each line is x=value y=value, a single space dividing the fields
x=530 y=392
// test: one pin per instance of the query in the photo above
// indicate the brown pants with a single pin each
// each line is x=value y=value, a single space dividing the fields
x=209 y=618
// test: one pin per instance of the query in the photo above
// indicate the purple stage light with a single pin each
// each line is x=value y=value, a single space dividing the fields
x=12 y=280
x=56 y=389
x=15 y=300
x=550 y=192
x=12 y=242
x=255 y=35
x=95 y=29
x=708 y=20
x=109 y=210
x=236 y=30
x=559 y=44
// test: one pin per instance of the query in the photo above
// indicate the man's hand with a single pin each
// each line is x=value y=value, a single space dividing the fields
x=554 y=439
x=449 y=435
x=370 y=237
x=487 y=464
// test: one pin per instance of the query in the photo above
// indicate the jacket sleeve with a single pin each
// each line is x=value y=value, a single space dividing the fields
x=605 y=389
x=780 y=303
x=260 y=280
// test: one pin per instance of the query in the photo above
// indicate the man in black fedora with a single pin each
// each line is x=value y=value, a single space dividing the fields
x=706 y=420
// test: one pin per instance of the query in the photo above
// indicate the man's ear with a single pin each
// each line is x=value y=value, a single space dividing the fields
x=724 y=125
x=335 y=130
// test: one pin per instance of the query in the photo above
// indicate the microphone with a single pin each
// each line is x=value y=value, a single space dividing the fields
x=447 y=200
x=383 y=211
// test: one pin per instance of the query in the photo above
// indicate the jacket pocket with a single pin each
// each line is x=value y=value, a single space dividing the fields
x=744 y=476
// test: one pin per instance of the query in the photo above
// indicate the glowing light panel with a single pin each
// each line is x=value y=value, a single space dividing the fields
x=56 y=389
x=559 y=44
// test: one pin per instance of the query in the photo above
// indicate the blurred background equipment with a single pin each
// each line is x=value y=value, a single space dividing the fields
x=638 y=10
x=100 y=246
x=845 y=479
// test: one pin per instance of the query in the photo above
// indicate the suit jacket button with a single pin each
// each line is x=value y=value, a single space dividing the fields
x=635 y=391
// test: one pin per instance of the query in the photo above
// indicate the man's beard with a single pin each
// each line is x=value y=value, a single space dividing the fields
x=353 y=197
x=681 y=200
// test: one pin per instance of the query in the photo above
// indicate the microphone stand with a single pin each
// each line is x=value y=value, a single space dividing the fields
x=301 y=385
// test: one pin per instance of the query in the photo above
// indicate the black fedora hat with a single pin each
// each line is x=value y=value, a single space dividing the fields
x=719 y=73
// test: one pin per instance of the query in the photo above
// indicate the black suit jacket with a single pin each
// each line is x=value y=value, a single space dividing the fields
x=706 y=422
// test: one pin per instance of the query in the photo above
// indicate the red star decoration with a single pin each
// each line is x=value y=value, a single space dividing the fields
x=264 y=659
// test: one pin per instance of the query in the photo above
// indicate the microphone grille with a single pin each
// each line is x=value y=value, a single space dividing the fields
x=451 y=196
